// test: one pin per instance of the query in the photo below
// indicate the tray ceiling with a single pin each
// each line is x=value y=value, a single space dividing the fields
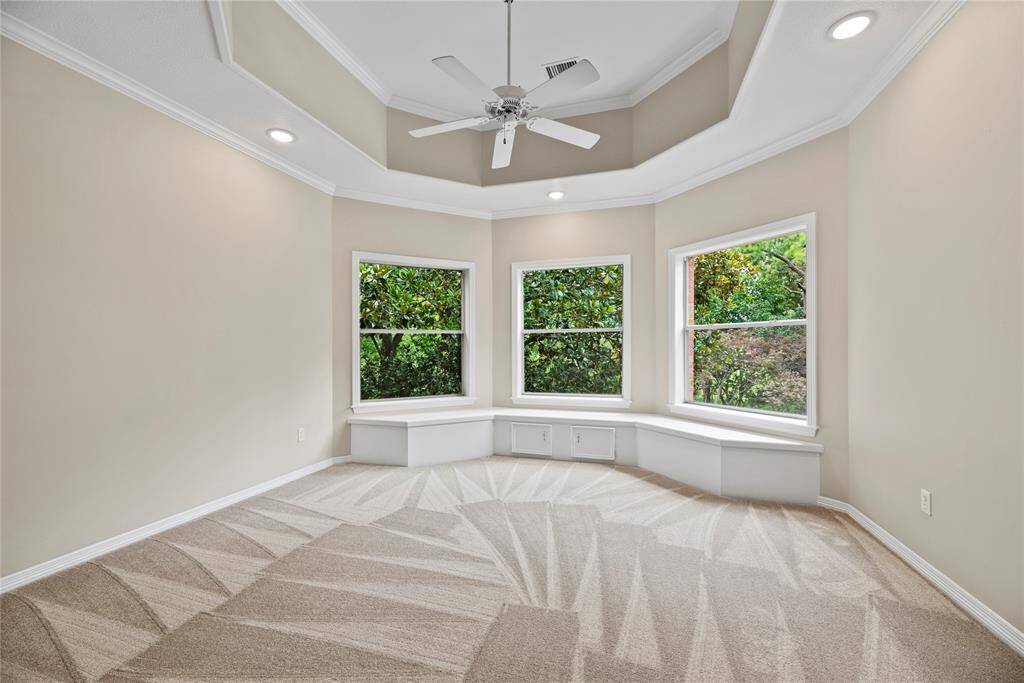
x=628 y=42
x=800 y=85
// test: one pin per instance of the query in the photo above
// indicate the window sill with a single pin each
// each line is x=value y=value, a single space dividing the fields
x=572 y=401
x=737 y=418
x=427 y=403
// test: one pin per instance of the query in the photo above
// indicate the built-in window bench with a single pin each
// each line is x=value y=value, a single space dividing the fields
x=720 y=460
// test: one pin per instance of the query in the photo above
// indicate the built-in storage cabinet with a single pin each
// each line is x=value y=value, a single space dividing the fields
x=718 y=460
x=531 y=438
x=592 y=443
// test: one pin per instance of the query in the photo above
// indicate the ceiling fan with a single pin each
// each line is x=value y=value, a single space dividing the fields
x=511 y=105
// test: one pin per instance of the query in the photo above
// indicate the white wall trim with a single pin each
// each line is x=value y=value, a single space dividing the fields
x=25 y=34
x=519 y=395
x=405 y=203
x=573 y=207
x=982 y=613
x=930 y=22
x=421 y=109
x=587 y=107
x=678 y=367
x=221 y=30
x=328 y=41
x=75 y=557
x=468 y=332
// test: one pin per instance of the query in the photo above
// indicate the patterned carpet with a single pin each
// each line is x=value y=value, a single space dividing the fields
x=496 y=569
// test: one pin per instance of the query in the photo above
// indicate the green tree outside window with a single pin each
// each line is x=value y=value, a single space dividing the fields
x=559 y=360
x=410 y=337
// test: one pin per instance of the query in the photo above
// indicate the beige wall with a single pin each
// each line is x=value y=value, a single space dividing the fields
x=536 y=156
x=174 y=316
x=809 y=178
x=267 y=43
x=452 y=156
x=362 y=226
x=575 y=235
x=166 y=315
x=936 y=304
x=694 y=100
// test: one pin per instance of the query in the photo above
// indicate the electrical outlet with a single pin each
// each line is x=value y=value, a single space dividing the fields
x=300 y=434
x=926 y=502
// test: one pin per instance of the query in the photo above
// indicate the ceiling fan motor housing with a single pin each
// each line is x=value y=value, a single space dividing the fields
x=511 y=103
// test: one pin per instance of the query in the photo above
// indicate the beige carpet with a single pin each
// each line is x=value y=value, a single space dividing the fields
x=497 y=569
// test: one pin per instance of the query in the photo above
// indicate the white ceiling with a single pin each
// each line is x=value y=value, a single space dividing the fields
x=799 y=85
x=628 y=42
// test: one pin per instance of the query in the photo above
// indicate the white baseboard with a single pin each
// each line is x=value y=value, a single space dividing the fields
x=43 y=569
x=981 y=612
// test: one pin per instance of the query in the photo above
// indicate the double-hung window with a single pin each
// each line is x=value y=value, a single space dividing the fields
x=742 y=328
x=571 y=337
x=412 y=332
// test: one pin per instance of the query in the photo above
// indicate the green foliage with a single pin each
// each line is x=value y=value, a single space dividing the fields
x=573 y=363
x=572 y=298
x=760 y=368
x=753 y=282
x=406 y=365
x=406 y=298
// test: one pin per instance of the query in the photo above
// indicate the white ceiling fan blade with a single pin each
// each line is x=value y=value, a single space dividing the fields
x=450 y=126
x=564 y=132
x=466 y=78
x=503 y=141
x=570 y=80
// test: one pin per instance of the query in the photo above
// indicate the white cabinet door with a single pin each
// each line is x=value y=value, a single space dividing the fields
x=531 y=438
x=593 y=443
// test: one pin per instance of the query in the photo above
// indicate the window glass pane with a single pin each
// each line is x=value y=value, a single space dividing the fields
x=405 y=365
x=572 y=297
x=754 y=282
x=764 y=368
x=406 y=298
x=573 y=363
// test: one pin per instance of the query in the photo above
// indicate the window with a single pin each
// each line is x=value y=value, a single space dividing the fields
x=742 y=346
x=571 y=339
x=412 y=332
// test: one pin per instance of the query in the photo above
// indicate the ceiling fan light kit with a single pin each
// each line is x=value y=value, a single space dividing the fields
x=510 y=105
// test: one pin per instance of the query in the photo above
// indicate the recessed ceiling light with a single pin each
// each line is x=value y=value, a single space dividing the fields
x=556 y=195
x=850 y=25
x=281 y=135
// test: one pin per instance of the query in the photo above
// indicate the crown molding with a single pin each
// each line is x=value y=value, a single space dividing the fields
x=741 y=162
x=298 y=11
x=588 y=107
x=916 y=37
x=424 y=110
x=221 y=30
x=405 y=203
x=328 y=41
x=574 y=207
x=913 y=41
x=30 y=37
x=678 y=65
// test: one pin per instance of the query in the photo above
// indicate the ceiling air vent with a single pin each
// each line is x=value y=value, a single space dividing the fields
x=555 y=68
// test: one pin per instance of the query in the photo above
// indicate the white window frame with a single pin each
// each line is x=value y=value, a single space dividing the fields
x=519 y=395
x=678 y=360
x=468 y=332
